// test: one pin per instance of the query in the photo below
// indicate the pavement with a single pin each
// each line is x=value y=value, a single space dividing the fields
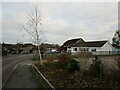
x=21 y=76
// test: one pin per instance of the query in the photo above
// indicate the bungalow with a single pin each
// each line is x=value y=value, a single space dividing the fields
x=68 y=43
x=75 y=46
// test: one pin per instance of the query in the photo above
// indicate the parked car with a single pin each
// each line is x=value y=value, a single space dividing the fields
x=52 y=51
x=13 y=52
x=24 y=52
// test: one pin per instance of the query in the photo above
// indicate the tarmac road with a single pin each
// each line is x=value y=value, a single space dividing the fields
x=21 y=77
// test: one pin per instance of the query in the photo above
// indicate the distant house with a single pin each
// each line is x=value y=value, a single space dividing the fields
x=17 y=48
x=7 y=47
x=28 y=49
x=50 y=47
x=75 y=46
x=23 y=48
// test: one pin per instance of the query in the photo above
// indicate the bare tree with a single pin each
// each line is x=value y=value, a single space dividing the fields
x=34 y=28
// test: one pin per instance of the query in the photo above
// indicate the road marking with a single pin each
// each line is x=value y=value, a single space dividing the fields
x=9 y=75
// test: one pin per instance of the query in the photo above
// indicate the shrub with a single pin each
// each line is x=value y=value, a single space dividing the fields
x=52 y=57
x=96 y=68
x=62 y=58
x=4 y=53
x=36 y=57
x=71 y=65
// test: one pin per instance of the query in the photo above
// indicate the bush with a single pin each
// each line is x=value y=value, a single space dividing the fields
x=71 y=65
x=96 y=68
x=4 y=53
x=36 y=57
x=62 y=58
x=52 y=57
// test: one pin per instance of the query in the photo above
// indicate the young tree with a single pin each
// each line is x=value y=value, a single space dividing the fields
x=34 y=28
x=116 y=39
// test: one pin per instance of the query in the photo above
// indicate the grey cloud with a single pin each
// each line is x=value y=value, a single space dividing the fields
x=65 y=20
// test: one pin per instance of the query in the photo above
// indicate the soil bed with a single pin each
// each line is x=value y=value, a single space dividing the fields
x=62 y=79
x=57 y=69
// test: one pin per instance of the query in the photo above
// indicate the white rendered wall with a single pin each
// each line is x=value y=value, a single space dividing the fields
x=107 y=47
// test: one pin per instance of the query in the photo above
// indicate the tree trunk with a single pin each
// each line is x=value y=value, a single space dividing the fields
x=40 y=55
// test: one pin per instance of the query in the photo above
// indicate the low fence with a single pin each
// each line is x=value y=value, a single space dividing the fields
x=106 y=53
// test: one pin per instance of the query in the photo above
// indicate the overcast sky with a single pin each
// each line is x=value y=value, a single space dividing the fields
x=62 y=21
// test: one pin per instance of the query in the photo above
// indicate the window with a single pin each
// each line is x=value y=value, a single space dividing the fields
x=82 y=49
x=69 y=52
x=87 y=49
x=93 y=50
x=75 y=49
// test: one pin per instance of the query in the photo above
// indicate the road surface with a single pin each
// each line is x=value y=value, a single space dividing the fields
x=21 y=77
